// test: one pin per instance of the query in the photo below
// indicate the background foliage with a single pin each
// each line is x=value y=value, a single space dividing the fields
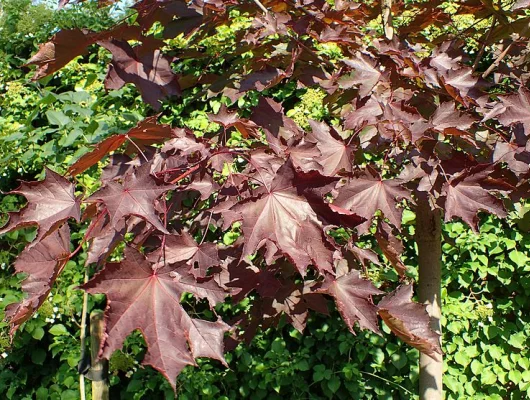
x=486 y=281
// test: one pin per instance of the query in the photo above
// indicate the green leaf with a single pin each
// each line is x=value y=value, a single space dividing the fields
x=462 y=358
x=303 y=365
x=58 y=330
x=515 y=376
x=334 y=384
x=320 y=373
x=41 y=393
x=526 y=376
x=491 y=331
x=69 y=395
x=408 y=217
x=518 y=340
x=38 y=356
x=524 y=363
x=344 y=347
x=134 y=386
x=455 y=327
x=488 y=377
x=38 y=333
x=451 y=383
x=495 y=352
x=230 y=237
x=399 y=360
x=69 y=139
x=350 y=371
x=278 y=346
x=520 y=259
x=472 y=351
x=506 y=363
x=476 y=367
x=57 y=118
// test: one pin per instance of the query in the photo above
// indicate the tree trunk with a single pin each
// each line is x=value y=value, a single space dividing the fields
x=428 y=238
x=99 y=370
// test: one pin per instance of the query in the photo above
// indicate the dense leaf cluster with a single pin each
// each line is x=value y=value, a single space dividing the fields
x=408 y=123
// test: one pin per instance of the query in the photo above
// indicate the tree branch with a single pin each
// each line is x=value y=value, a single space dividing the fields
x=484 y=43
x=386 y=10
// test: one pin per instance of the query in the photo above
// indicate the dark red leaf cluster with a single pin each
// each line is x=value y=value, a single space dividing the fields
x=408 y=120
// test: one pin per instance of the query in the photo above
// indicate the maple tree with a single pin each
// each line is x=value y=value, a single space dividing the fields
x=413 y=124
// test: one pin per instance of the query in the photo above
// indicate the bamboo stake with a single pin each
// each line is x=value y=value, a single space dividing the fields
x=99 y=370
x=82 y=390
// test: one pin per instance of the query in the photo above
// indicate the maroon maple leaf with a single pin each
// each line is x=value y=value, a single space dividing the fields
x=353 y=296
x=66 y=45
x=50 y=203
x=365 y=114
x=366 y=194
x=278 y=214
x=261 y=80
x=305 y=156
x=249 y=277
x=145 y=66
x=42 y=263
x=135 y=196
x=224 y=117
x=103 y=239
x=449 y=121
x=409 y=321
x=292 y=300
x=100 y=150
x=142 y=297
x=150 y=11
x=55 y=54
x=364 y=256
x=521 y=5
x=465 y=197
x=516 y=156
x=231 y=119
x=462 y=85
x=204 y=184
x=144 y=133
x=335 y=154
x=364 y=74
x=516 y=109
x=184 y=248
x=269 y=115
x=391 y=246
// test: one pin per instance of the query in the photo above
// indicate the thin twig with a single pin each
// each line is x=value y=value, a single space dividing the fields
x=484 y=44
x=206 y=230
x=498 y=60
x=87 y=234
x=504 y=53
x=260 y=5
x=388 y=381
x=185 y=174
x=386 y=11
x=137 y=148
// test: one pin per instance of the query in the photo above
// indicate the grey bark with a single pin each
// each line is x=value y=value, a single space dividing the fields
x=429 y=241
